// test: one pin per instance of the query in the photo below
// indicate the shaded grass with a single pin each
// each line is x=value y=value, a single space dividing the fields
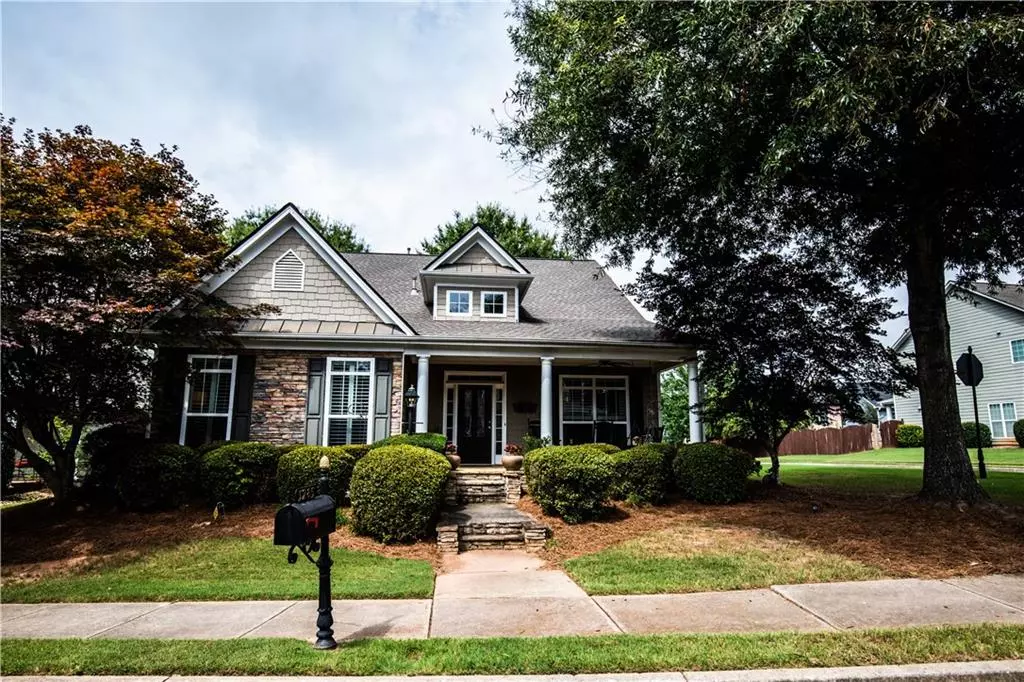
x=993 y=456
x=698 y=559
x=230 y=569
x=547 y=655
x=1003 y=487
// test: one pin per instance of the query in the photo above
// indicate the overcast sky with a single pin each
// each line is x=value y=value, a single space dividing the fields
x=361 y=111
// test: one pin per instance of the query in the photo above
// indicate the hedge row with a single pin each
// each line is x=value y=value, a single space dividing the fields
x=576 y=482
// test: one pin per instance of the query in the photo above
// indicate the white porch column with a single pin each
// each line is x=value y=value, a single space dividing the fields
x=546 y=421
x=696 y=424
x=423 y=390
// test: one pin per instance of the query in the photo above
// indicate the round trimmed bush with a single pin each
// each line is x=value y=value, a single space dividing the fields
x=298 y=473
x=712 y=473
x=606 y=448
x=355 y=451
x=642 y=474
x=157 y=476
x=570 y=481
x=909 y=436
x=108 y=450
x=430 y=441
x=971 y=435
x=397 y=491
x=240 y=473
x=1018 y=432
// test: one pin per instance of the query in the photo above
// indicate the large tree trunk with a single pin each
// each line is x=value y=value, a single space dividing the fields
x=948 y=475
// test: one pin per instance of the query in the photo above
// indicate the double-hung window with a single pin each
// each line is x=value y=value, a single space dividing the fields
x=1017 y=351
x=460 y=303
x=595 y=409
x=209 y=399
x=349 y=401
x=493 y=304
x=1000 y=418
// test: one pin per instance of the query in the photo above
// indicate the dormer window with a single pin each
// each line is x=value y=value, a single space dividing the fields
x=460 y=303
x=493 y=304
x=289 y=273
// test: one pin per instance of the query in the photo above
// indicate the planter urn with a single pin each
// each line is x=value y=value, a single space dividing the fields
x=454 y=459
x=512 y=462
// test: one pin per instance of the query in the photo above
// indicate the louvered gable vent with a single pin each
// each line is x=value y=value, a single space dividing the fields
x=289 y=272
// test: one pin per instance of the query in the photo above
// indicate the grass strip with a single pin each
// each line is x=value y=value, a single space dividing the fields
x=1002 y=486
x=546 y=655
x=230 y=569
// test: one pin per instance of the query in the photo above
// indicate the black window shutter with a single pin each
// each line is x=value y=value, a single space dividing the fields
x=382 y=399
x=169 y=373
x=315 y=401
x=241 y=417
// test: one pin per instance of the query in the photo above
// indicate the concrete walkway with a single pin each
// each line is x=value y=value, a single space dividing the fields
x=508 y=594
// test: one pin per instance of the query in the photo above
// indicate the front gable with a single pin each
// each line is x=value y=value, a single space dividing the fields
x=288 y=264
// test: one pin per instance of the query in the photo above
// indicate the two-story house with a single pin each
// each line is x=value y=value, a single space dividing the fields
x=494 y=347
x=990 y=321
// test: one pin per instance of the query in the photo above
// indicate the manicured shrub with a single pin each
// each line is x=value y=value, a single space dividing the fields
x=397 y=492
x=430 y=441
x=1018 y=432
x=298 y=473
x=356 y=452
x=240 y=473
x=214 y=445
x=606 y=448
x=107 y=451
x=909 y=436
x=971 y=435
x=570 y=481
x=712 y=473
x=642 y=474
x=157 y=476
x=531 y=442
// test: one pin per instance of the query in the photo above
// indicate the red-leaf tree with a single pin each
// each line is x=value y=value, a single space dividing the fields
x=100 y=240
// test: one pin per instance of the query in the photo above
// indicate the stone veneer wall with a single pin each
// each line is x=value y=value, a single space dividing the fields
x=279 y=394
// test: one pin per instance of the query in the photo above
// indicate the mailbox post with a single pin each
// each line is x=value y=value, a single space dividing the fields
x=307 y=526
x=325 y=616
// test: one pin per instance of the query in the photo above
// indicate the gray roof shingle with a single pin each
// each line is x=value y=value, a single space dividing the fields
x=568 y=301
x=1011 y=294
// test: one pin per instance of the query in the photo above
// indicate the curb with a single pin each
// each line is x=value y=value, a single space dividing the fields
x=979 y=671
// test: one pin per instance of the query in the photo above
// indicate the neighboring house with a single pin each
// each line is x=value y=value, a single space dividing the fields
x=991 y=321
x=495 y=347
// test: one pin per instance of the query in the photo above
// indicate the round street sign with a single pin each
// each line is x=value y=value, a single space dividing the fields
x=968 y=368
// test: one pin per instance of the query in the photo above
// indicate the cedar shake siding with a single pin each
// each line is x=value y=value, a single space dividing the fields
x=324 y=296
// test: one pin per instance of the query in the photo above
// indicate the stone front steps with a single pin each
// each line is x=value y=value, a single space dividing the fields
x=489 y=526
x=487 y=485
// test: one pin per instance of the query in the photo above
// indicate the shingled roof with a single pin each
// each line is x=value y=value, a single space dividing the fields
x=1010 y=294
x=568 y=301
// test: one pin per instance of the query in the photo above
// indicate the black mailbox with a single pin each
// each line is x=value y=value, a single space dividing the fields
x=303 y=522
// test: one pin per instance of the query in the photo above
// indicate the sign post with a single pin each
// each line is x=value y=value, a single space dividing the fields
x=970 y=371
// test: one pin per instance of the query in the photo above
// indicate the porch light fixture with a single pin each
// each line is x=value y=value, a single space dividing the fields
x=411 y=398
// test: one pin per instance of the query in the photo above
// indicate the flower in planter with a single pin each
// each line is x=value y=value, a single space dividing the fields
x=450 y=448
x=513 y=449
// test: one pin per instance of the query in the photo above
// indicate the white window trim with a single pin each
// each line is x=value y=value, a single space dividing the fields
x=483 y=303
x=1007 y=432
x=1012 y=361
x=593 y=407
x=448 y=302
x=302 y=278
x=502 y=385
x=185 y=414
x=327 y=416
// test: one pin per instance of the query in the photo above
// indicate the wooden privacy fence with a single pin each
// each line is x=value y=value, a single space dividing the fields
x=888 y=430
x=829 y=441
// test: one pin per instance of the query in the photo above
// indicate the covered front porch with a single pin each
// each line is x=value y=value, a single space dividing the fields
x=482 y=404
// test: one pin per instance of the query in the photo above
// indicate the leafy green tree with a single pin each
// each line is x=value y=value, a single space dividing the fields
x=515 y=234
x=341 y=236
x=99 y=240
x=880 y=141
x=675 y=405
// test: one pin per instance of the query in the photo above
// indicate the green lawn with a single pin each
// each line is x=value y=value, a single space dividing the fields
x=700 y=559
x=1001 y=486
x=548 y=655
x=993 y=456
x=230 y=569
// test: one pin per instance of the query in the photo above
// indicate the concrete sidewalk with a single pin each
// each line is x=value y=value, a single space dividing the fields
x=981 y=671
x=505 y=594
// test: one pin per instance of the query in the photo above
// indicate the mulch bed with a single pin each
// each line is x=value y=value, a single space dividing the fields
x=38 y=543
x=899 y=535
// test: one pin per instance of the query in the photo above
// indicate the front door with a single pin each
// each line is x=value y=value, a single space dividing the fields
x=474 y=424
